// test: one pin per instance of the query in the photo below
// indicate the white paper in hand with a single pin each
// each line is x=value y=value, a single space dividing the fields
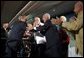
x=40 y=40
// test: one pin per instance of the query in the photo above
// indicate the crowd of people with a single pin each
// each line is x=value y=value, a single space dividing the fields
x=48 y=38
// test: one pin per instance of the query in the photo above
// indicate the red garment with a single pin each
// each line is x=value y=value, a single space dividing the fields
x=68 y=40
x=64 y=36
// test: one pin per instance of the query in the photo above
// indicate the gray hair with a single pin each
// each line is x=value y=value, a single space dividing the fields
x=47 y=14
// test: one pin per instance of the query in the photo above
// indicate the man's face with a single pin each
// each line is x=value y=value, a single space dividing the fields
x=77 y=7
x=44 y=18
x=37 y=20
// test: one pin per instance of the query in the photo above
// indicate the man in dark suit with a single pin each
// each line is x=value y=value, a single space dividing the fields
x=54 y=42
x=14 y=36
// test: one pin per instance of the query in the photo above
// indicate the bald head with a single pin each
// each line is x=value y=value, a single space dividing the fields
x=46 y=17
x=22 y=18
x=78 y=6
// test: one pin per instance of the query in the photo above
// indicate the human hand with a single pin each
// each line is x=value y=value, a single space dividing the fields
x=56 y=21
x=72 y=19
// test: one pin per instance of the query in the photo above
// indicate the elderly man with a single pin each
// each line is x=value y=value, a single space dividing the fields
x=53 y=40
x=76 y=26
x=15 y=35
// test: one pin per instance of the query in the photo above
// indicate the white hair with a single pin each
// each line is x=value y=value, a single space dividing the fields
x=47 y=14
x=63 y=18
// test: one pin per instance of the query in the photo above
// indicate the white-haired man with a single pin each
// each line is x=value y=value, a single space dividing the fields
x=53 y=42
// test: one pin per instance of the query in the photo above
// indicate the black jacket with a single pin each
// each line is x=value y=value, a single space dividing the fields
x=14 y=39
x=54 y=42
x=17 y=31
